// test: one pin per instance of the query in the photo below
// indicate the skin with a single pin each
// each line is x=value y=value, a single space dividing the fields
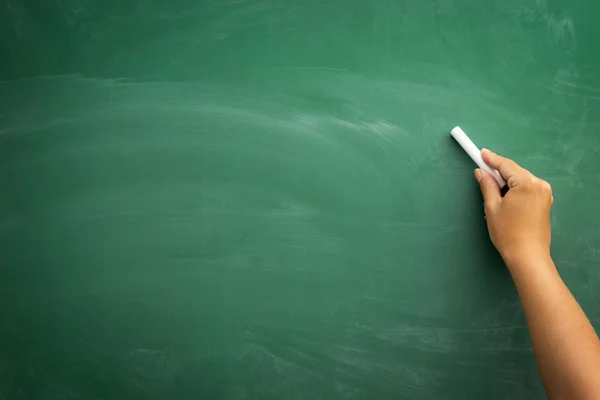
x=566 y=348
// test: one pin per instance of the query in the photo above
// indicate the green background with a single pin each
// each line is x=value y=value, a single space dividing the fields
x=260 y=199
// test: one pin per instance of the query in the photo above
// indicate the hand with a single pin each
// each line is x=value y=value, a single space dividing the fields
x=519 y=222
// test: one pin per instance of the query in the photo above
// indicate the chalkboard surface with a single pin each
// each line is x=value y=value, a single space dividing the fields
x=260 y=199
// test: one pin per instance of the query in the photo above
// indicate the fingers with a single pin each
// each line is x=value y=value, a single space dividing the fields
x=506 y=167
x=489 y=188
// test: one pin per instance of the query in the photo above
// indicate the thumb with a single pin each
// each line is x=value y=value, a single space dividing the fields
x=489 y=187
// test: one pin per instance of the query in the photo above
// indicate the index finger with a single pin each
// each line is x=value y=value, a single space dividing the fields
x=506 y=167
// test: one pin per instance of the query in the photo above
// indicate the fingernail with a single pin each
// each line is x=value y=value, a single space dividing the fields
x=485 y=151
x=478 y=175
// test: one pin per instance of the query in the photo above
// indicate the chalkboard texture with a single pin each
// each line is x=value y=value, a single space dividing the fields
x=260 y=199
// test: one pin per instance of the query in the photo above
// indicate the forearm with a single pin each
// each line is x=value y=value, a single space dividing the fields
x=566 y=347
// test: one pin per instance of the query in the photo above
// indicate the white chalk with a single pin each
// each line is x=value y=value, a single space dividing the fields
x=475 y=154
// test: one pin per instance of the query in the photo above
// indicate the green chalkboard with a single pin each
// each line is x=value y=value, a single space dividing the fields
x=260 y=199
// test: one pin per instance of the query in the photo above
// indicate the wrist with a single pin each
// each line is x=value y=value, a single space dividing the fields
x=526 y=257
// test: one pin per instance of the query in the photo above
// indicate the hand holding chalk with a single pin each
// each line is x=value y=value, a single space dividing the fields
x=475 y=154
x=519 y=223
